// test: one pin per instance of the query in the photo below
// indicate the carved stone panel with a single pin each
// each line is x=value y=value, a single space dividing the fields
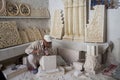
x=96 y=28
x=9 y=35
x=58 y=24
x=2 y=7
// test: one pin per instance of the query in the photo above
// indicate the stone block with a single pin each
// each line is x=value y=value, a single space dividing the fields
x=78 y=65
x=48 y=62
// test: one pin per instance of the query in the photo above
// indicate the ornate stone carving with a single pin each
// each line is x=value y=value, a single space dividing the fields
x=92 y=64
x=24 y=10
x=12 y=9
x=38 y=35
x=23 y=36
x=58 y=24
x=9 y=35
x=30 y=34
x=95 y=29
x=2 y=7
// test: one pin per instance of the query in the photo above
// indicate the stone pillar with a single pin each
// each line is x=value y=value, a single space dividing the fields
x=82 y=18
x=66 y=18
x=76 y=18
x=70 y=18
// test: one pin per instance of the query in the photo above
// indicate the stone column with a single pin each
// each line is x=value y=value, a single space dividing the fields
x=70 y=18
x=66 y=18
x=82 y=18
x=76 y=18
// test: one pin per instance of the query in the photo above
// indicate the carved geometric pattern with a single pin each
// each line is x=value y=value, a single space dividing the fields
x=96 y=27
x=58 y=24
x=9 y=35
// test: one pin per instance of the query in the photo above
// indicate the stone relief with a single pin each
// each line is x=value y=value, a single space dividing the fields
x=58 y=24
x=12 y=9
x=9 y=35
x=92 y=64
x=24 y=10
x=95 y=30
x=2 y=7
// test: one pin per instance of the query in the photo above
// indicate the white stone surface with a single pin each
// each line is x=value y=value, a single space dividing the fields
x=78 y=66
x=48 y=62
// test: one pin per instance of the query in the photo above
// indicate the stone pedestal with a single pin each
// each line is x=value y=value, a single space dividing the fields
x=92 y=65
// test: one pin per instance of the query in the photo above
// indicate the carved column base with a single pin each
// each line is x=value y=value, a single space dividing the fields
x=68 y=37
x=78 y=38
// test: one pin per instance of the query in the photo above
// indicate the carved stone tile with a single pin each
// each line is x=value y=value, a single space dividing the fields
x=9 y=35
x=96 y=28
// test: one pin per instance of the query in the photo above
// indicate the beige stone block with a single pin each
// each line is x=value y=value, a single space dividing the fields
x=48 y=62
x=95 y=30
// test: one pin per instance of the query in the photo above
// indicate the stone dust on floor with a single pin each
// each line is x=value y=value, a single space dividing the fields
x=67 y=76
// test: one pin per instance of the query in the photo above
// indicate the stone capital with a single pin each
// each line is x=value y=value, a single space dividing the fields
x=75 y=3
x=82 y=2
x=70 y=3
